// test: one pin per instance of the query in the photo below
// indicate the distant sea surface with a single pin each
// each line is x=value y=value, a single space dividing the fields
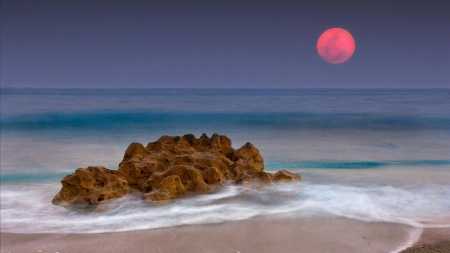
x=371 y=155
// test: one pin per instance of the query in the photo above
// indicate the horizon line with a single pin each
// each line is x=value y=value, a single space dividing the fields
x=239 y=88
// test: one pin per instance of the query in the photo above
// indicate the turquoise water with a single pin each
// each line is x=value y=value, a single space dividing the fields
x=375 y=155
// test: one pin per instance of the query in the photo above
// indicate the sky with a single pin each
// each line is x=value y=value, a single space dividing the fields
x=222 y=44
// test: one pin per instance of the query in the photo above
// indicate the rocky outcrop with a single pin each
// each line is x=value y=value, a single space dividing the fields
x=91 y=185
x=286 y=176
x=172 y=166
x=168 y=188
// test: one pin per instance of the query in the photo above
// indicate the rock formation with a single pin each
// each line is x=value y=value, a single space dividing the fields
x=169 y=167
x=91 y=185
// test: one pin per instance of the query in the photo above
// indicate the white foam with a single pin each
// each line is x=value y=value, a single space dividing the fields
x=414 y=236
x=29 y=209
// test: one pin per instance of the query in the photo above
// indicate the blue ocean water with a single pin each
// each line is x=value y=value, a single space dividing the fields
x=375 y=155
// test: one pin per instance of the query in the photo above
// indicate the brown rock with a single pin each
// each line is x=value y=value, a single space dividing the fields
x=91 y=185
x=212 y=176
x=169 y=167
x=190 y=177
x=138 y=171
x=240 y=166
x=169 y=188
x=248 y=152
x=284 y=176
x=135 y=150
x=221 y=144
x=255 y=178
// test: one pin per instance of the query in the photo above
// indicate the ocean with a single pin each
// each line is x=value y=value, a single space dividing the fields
x=369 y=155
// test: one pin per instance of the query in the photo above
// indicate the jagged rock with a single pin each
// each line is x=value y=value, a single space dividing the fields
x=286 y=176
x=135 y=150
x=171 y=166
x=248 y=153
x=258 y=177
x=92 y=185
x=191 y=178
x=169 y=187
x=212 y=176
x=241 y=166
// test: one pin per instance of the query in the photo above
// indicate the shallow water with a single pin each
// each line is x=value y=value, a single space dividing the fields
x=371 y=155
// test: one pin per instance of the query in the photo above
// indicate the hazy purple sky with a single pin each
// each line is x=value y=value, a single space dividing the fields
x=222 y=44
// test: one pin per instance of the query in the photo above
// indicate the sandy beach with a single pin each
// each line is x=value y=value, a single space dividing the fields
x=333 y=235
x=432 y=240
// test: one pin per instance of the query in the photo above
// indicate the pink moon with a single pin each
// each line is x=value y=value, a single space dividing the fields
x=336 y=45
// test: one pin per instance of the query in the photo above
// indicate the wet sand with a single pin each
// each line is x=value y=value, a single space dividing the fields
x=321 y=235
x=432 y=240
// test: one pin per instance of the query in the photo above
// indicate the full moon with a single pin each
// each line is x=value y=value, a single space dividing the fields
x=336 y=45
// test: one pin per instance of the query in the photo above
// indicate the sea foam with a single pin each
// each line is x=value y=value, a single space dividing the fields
x=28 y=209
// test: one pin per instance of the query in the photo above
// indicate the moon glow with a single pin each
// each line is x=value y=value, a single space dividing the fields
x=336 y=45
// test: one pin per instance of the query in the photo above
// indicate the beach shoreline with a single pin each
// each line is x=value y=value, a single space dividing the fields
x=432 y=240
x=266 y=234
